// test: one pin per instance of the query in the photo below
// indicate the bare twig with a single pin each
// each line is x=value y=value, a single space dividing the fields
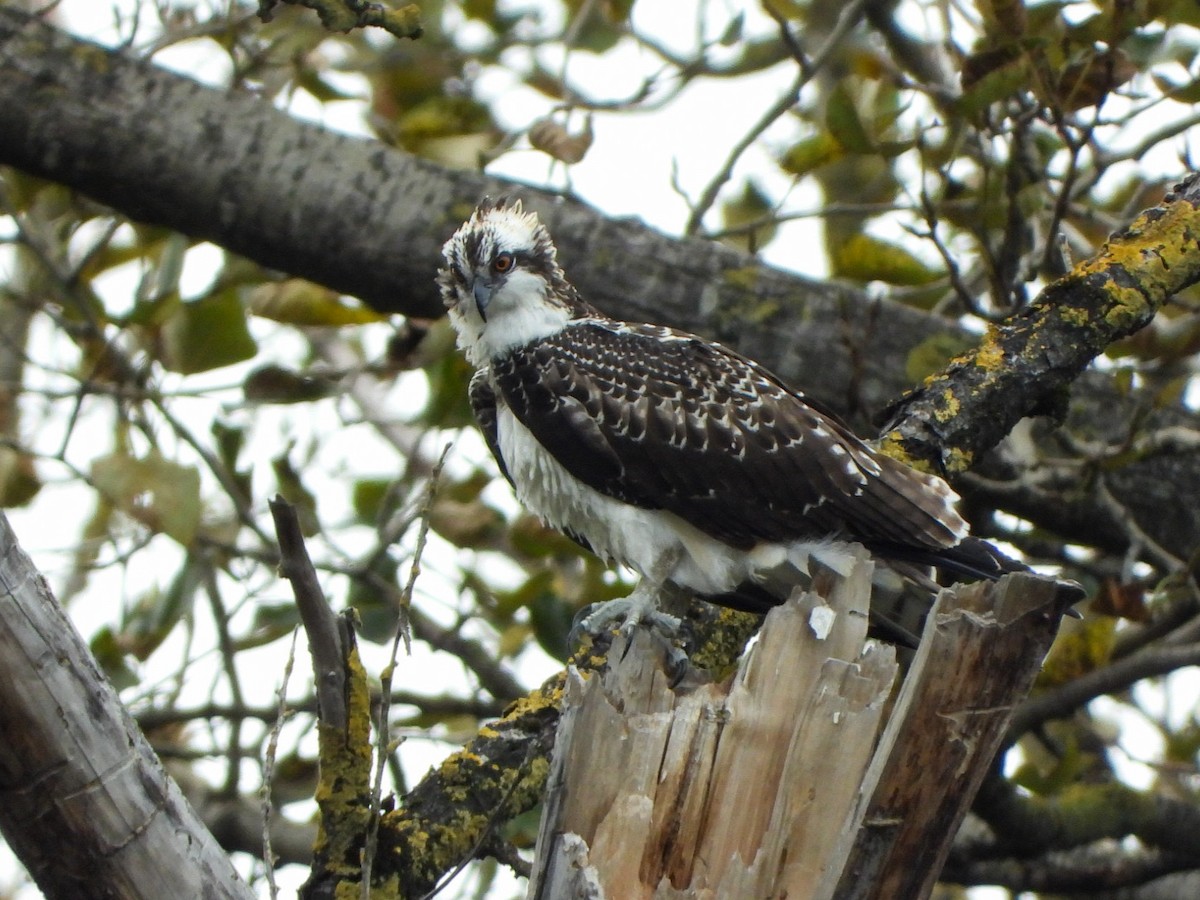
x=269 y=768
x=320 y=624
x=382 y=746
x=229 y=664
x=848 y=18
x=444 y=705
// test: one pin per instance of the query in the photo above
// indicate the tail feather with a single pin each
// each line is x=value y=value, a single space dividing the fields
x=972 y=558
x=897 y=613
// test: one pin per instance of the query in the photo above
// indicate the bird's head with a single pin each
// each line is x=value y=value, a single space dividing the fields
x=502 y=284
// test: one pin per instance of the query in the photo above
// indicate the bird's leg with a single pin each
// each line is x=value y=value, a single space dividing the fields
x=643 y=606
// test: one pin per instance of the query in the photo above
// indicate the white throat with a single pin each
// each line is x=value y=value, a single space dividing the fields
x=518 y=314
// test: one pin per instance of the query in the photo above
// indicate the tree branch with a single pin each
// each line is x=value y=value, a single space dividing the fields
x=1022 y=365
x=84 y=802
x=320 y=624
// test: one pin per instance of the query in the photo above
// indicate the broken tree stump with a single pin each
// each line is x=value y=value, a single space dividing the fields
x=716 y=790
x=777 y=782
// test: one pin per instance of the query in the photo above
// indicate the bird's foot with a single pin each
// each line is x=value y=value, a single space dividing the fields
x=600 y=622
x=627 y=614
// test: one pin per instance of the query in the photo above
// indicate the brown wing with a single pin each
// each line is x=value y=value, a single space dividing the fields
x=483 y=404
x=666 y=420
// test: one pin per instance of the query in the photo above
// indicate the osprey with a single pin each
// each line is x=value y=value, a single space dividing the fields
x=671 y=454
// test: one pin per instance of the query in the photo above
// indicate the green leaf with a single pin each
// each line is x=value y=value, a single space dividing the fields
x=368 y=498
x=271 y=622
x=470 y=523
x=207 y=334
x=162 y=495
x=845 y=124
x=449 y=374
x=157 y=612
x=996 y=84
x=483 y=10
x=733 y=32
x=377 y=613
x=867 y=258
x=299 y=302
x=811 y=153
x=321 y=88
x=1188 y=92
x=752 y=205
x=291 y=488
x=551 y=620
x=19 y=481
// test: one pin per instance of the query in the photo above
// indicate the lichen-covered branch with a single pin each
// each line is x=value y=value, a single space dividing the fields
x=447 y=818
x=345 y=15
x=1030 y=826
x=1025 y=365
x=344 y=717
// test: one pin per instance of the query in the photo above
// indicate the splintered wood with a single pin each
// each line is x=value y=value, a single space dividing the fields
x=778 y=783
x=742 y=789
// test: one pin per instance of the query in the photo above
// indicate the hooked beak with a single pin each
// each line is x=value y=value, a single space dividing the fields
x=482 y=289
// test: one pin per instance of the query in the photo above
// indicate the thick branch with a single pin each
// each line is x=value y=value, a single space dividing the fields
x=1086 y=813
x=1024 y=363
x=84 y=802
x=1064 y=699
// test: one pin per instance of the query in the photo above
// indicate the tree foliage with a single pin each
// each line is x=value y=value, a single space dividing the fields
x=158 y=387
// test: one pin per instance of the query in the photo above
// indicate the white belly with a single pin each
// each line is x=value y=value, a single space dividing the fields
x=639 y=538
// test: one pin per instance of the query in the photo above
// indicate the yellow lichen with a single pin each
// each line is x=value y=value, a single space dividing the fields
x=892 y=444
x=949 y=408
x=1073 y=315
x=990 y=354
x=957 y=460
x=1128 y=307
x=744 y=277
x=743 y=305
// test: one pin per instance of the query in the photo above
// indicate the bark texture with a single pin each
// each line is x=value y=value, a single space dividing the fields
x=84 y=801
x=981 y=650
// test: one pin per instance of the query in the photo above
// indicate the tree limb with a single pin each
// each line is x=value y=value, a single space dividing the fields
x=1032 y=357
x=84 y=802
x=320 y=624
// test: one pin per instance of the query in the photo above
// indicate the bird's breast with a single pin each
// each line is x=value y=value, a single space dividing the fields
x=623 y=533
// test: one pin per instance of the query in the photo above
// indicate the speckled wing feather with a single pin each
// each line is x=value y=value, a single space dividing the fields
x=483 y=403
x=666 y=420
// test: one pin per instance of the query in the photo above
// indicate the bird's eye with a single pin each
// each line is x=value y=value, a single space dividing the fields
x=503 y=263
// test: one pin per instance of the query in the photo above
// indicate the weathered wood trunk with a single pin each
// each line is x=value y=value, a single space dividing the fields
x=84 y=802
x=778 y=783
